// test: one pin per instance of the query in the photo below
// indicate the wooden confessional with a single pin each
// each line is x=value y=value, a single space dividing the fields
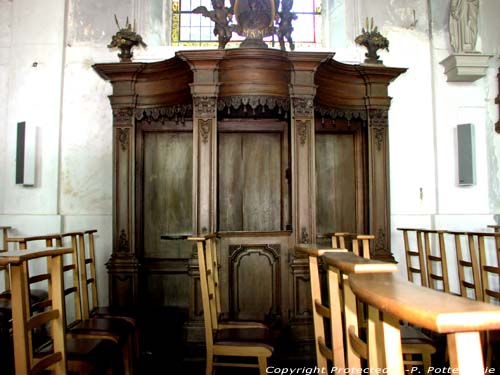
x=269 y=149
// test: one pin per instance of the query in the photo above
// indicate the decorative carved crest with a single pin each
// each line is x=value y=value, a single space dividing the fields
x=205 y=106
x=123 y=246
x=254 y=103
x=303 y=107
x=204 y=128
x=302 y=129
x=122 y=135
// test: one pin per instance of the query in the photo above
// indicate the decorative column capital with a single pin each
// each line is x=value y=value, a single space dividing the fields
x=378 y=117
x=303 y=107
x=205 y=106
x=123 y=116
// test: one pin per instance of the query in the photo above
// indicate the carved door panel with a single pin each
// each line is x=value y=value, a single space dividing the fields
x=254 y=280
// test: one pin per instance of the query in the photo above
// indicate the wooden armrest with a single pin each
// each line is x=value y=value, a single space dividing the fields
x=316 y=251
x=19 y=256
x=34 y=238
x=349 y=262
x=424 y=307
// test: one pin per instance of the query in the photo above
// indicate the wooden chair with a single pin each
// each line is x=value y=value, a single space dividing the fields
x=209 y=243
x=228 y=342
x=489 y=261
x=436 y=263
x=366 y=241
x=5 y=236
x=120 y=333
x=117 y=333
x=468 y=265
x=88 y=281
x=325 y=351
x=414 y=251
x=460 y=318
x=340 y=266
x=83 y=357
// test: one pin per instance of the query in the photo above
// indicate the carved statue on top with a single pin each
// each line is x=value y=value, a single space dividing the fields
x=125 y=39
x=284 y=19
x=222 y=17
x=463 y=25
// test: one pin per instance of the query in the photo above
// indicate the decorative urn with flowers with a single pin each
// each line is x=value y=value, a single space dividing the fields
x=373 y=41
x=124 y=40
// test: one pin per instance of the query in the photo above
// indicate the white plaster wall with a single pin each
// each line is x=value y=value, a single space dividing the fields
x=5 y=44
x=34 y=95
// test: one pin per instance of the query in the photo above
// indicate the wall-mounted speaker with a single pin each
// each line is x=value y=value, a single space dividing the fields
x=466 y=155
x=25 y=154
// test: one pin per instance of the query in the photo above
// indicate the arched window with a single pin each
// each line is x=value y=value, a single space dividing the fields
x=189 y=29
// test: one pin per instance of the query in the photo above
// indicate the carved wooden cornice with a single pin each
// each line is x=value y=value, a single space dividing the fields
x=282 y=105
x=179 y=113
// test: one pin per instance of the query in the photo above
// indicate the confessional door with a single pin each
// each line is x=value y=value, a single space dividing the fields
x=253 y=215
x=340 y=159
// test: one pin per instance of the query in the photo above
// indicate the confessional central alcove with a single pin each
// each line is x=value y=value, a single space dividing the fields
x=269 y=149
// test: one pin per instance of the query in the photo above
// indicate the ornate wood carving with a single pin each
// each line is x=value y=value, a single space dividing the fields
x=122 y=134
x=178 y=113
x=379 y=133
x=379 y=117
x=122 y=116
x=123 y=245
x=254 y=103
x=204 y=126
x=337 y=113
x=302 y=130
x=204 y=107
x=250 y=299
x=303 y=107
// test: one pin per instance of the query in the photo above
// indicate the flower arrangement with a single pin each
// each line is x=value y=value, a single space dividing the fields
x=373 y=41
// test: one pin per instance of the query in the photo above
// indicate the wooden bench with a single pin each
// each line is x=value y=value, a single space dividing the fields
x=460 y=318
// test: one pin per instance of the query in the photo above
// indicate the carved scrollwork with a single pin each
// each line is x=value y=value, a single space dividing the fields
x=254 y=103
x=304 y=236
x=175 y=112
x=123 y=245
x=122 y=135
x=303 y=107
x=122 y=116
x=205 y=107
x=302 y=129
x=204 y=129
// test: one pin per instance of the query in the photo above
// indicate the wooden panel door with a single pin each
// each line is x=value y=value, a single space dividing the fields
x=250 y=171
x=168 y=180
x=340 y=181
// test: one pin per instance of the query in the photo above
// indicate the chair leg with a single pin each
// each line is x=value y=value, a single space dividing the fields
x=210 y=365
x=262 y=365
x=426 y=359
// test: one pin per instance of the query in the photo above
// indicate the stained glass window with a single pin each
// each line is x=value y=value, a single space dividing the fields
x=195 y=30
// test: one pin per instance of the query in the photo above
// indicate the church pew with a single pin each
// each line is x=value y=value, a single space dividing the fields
x=459 y=318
